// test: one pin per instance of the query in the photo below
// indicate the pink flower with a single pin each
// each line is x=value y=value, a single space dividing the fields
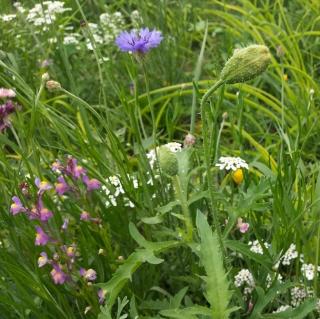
x=61 y=187
x=91 y=184
x=16 y=206
x=56 y=166
x=5 y=93
x=40 y=212
x=58 y=276
x=74 y=169
x=45 y=214
x=101 y=295
x=42 y=185
x=85 y=216
x=41 y=237
x=243 y=227
x=43 y=259
x=89 y=275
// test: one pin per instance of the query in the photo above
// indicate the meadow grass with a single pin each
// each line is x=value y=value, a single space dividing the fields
x=144 y=227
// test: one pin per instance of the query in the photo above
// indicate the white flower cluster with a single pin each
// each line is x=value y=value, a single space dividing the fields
x=290 y=254
x=45 y=13
x=256 y=247
x=282 y=308
x=298 y=294
x=173 y=147
x=269 y=280
x=308 y=271
x=111 y=24
x=7 y=17
x=117 y=190
x=244 y=277
x=231 y=163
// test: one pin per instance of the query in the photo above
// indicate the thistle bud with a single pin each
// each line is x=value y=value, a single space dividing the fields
x=189 y=140
x=53 y=85
x=168 y=161
x=246 y=64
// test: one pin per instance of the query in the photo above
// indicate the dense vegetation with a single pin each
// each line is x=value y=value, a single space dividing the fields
x=177 y=180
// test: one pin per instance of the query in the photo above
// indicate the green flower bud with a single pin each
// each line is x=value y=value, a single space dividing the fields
x=246 y=64
x=168 y=161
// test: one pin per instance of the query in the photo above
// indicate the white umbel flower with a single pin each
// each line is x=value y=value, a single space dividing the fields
x=256 y=247
x=282 y=308
x=231 y=163
x=244 y=277
x=308 y=270
x=290 y=254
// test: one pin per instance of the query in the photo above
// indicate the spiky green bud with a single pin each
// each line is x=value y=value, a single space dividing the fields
x=168 y=161
x=245 y=64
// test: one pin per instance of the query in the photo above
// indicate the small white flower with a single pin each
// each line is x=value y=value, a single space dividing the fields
x=244 y=277
x=290 y=255
x=256 y=247
x=231 y=163
x=282 y=308
x=308 y=271
x=298 y=294
x=7 y=17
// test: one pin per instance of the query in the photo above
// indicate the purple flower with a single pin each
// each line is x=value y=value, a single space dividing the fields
x=16 y=206
x=5 y=110
x=58 y=276
x=42 y=185
x=101 y=295
x=61 y=187
x=56 y=166
x=91 y=184
x=41 y=237
x=138 y=41
x=89 y=274
x=85 y=216
x=43 y=259
x=45 y=214
x=74 y=169
x=5 y=93
x=65 y=224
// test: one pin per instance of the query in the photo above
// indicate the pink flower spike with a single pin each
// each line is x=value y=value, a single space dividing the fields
x=84 y=216
x=5 y=93
x=61 y=187
x=41 y=237
x=16 y=206
x=43 y=259
x=243 y=227
x=58 y=276
x=91 y=184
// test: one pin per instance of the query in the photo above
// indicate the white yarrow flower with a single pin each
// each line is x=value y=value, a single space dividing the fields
x=231 y=163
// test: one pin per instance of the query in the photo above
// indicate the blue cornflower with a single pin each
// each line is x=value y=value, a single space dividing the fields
x=140 y=41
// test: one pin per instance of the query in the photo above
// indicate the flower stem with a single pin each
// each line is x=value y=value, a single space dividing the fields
x=181 y=196
x=206 y=144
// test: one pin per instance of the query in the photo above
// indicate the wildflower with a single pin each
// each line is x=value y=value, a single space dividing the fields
x=87 y=310
x=245 y=64
x=7 y=93
x=73 y=169
x=189 y=140
x=138 y=41
x=298 y=294
x=282 y=308
x=56 y=167
x=290 y=255
x=231 y=163
x=58 y=276
x=89 y=275
x=16 y=206
x=237 y=176
x=45 y=214
x=61 y=187
x=5 y=110
x=41 y=237
x=53 y=86
x=257 y=248
x=65 y=224
x=308 y=270
x=85 y=216
x=243 y=227
x=42 y=185
x=43 y=259
x=71 y=251
x=91 y=184
x=101 y=294
x=244 y=277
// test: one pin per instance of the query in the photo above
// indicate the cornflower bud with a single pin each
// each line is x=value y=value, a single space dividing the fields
x=189 y=140
x=168 y=161
x=246 y=64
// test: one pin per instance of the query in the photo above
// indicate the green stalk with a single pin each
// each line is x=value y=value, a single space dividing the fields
x=206 y=144
x=181 y=196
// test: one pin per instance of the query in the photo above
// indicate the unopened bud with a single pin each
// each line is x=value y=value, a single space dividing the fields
x=53 y=85
x=45 y=77
x=225 y=116
x=246 y=64
x=189 y=140
x=168 y=161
